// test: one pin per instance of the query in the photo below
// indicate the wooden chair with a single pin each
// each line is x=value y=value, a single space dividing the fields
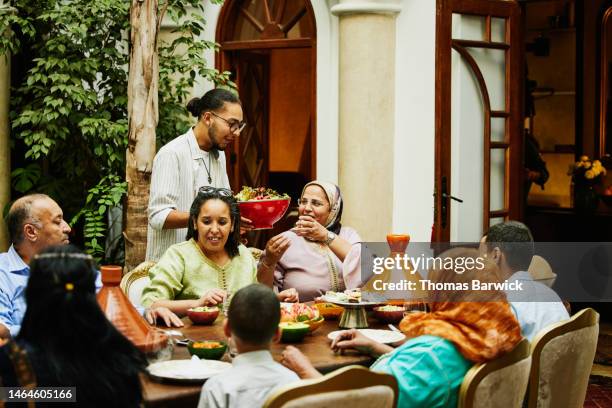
x=498 y=383
x=353 y=386
x=135 y=281
x=562 y=358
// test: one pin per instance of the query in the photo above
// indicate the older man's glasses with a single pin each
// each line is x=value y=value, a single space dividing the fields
x=214 y=190
x=234 y=125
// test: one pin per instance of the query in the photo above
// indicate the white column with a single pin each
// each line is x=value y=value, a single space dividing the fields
x=5 y=151
x=367 y=31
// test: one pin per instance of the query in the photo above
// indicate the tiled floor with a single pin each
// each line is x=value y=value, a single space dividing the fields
x=599 y=393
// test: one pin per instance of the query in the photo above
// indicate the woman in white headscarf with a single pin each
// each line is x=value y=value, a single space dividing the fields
x=318 y=254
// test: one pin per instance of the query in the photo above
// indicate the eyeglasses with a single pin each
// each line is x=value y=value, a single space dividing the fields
x=313 y=203
x=234 y=125
x=214 y=190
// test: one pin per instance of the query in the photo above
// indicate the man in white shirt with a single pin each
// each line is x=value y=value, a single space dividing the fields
x=189 y=162
x=510 y=246
x=252 y=323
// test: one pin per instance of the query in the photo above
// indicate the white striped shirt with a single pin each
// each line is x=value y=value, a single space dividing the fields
x=179 y=170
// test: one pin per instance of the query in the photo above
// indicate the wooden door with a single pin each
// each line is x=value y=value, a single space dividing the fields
x=248 y=31
x=250 y=152
x=478 y=146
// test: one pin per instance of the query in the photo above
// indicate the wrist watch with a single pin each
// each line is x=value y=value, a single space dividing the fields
x=330 y=237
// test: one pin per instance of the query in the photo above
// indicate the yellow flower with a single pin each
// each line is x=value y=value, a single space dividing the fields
x=596 y=163
x=584 y=158
x=587 y=165
x=579 y=164
x=590 y=174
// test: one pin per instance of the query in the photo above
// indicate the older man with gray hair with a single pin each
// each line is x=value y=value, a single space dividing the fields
x=34 y=222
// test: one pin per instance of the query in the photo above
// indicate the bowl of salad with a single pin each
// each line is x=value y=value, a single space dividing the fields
x=263 y=206
x=203 y=314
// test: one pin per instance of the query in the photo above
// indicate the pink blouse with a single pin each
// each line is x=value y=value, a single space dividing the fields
x=307 y=266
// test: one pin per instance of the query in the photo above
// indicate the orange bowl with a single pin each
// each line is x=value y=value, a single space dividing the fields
x=329 y=311
x=264 y=213
x=315 y=323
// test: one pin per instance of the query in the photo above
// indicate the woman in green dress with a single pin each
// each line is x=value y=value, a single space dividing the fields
x=211 y=265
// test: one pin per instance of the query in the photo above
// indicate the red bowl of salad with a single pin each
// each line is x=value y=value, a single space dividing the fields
x=263 y=206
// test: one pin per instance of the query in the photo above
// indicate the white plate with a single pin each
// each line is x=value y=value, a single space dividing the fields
x=194 y=370
x=380 y=336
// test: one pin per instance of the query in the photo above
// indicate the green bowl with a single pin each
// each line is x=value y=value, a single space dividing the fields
x=207 y=353
x=293 y=332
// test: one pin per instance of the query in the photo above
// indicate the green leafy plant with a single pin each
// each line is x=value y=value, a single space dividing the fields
x=69 y=98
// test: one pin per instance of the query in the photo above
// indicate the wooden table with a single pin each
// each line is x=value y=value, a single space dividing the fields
x=315 y=347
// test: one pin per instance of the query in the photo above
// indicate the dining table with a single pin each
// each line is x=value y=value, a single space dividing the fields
x=315 y=346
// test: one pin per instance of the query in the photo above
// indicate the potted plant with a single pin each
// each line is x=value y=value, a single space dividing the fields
x=586 y=175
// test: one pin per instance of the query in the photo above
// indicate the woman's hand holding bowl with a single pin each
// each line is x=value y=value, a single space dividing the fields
x=310 y=229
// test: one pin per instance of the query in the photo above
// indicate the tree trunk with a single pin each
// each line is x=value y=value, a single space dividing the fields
x=143 y=84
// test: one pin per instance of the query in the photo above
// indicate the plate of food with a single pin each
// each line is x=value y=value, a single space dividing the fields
x=187 y=371
x=350 y=297
x=263 y=206
x=380 y=336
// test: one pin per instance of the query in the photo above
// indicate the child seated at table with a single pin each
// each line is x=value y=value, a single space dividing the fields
x=252 y=323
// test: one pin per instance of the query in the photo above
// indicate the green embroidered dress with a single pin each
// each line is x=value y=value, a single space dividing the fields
x=184 y=272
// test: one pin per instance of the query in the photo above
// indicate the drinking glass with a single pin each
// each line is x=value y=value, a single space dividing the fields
x=415 y=306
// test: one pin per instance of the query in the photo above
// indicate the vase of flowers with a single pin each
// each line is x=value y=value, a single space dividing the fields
x=587 y=176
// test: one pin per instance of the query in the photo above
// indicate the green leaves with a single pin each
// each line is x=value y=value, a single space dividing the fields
x=69 y=99
x=26 y=178
x=108 y=193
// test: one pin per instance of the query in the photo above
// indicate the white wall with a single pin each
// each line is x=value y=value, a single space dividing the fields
x=414 y=162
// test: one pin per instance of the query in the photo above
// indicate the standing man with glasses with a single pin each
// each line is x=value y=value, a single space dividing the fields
x=188 y=163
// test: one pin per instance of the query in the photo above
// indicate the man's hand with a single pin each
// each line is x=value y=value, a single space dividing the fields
x=5 y=334
x=293 y=359
x=246 y=225
x=165 y=314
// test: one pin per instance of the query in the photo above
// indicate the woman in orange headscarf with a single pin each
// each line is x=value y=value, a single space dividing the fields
x=463 y=327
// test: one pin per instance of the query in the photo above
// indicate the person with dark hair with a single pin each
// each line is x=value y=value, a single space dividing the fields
x=211 y=265
x=34 y=221
x=510 y=245
x=319 y=253
x=252 y=324
x=189 y=162
x=65 y=338
x=462 y=328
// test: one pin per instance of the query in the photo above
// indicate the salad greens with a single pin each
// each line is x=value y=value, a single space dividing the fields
x=259 y=193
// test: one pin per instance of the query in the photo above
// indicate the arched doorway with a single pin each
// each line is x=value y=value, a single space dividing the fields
x=269 y=46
